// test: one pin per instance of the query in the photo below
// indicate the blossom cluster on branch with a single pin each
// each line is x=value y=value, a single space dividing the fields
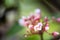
x=35 y=24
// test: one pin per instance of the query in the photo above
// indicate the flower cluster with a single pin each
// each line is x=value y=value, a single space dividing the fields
x=35 y=24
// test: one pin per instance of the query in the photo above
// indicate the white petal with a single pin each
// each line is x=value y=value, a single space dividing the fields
x=46 y=28
x=37 y=11
x=56 y=32
x=40 y=24
x=21 y=22
x=37 y=28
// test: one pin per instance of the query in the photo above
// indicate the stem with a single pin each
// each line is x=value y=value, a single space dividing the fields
x=41 y=36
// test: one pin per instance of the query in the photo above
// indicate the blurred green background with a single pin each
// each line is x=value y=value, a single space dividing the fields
x=27 y=6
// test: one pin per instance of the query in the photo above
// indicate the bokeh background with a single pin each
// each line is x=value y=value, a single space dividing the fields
x=48 y=8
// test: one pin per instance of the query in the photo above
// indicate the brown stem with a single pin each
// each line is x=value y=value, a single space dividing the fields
x=41 y=36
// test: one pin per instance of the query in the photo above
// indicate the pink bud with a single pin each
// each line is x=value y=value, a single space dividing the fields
x=46 y=19
x=29 y=18
x=58 y=19
x=55 y=34
x=32 y=16
x=46 y=28
x=26 y=23
x=24 y=18
x=37 y=18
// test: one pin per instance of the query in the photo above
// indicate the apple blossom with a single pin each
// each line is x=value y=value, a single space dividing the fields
x=34 y=24
x=38 y=27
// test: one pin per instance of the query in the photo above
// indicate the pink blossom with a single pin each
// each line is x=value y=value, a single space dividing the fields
x=29 y=17
x=55 y=34
x=31 y=27
x=46 y=19
x=26 y=23
x=38 y=27
x=32 y=16
x=37 y=18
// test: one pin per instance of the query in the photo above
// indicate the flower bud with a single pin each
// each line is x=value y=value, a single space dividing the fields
x=55 y=34
x=37 y=18
x=29 y=18
x=37 y=11
x=24 y=18
x=32 y=16
x=46 y=19
x=26 y=23
x=31 y=27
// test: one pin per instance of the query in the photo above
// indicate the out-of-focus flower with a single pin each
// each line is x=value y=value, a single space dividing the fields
x=56 y=19
x=46 y=26
x=21 y=22
x=36 y=25
x=37 y=11
x=55 y=34
x=31 y=27
x=46 y=19
x=33 y=21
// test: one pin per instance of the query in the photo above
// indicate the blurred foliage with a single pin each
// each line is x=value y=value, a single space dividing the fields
x=16 y=28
